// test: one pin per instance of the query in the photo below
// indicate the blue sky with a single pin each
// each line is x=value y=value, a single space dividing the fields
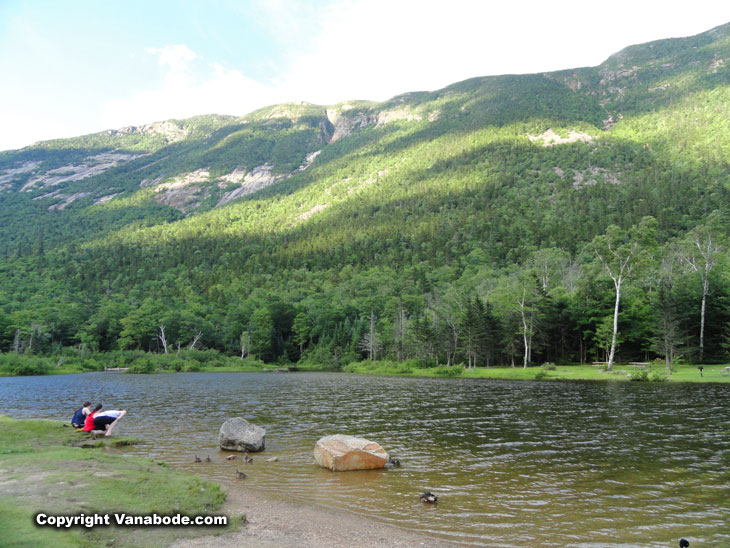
x=80 y=66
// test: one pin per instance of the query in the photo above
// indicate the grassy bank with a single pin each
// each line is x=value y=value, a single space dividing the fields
x=655 y=372
x=45 y=469
x=136 y=361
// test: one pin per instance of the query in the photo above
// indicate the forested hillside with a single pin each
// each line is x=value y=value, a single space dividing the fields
x=499 y=220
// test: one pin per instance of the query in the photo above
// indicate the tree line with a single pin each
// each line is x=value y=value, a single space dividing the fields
x=624 y=296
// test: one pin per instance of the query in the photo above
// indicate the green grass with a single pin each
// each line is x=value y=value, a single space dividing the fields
x=680 y=373
x=44 y=470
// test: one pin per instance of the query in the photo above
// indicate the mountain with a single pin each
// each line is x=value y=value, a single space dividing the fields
x=409 y=208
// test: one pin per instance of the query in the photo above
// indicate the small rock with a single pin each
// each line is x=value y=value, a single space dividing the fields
x=272 y=459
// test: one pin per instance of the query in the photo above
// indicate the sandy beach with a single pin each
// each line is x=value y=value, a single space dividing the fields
x=274 y=522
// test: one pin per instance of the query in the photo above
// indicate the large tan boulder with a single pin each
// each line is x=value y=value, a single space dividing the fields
x=342 y=452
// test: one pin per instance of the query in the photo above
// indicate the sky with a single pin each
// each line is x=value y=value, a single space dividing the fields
x=73 y=67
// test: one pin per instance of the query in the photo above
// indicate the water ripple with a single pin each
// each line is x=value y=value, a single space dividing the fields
x=514 y=464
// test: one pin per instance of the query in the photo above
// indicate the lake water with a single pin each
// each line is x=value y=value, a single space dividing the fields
x=514 y=463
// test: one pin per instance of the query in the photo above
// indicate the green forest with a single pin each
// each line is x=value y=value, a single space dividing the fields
x=569 y=217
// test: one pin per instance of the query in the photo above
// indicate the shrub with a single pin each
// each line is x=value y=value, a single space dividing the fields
x=419 y=363
x=658 y=376
x=449 y=371
x=548 y=366
x=191 y=366
x=542 y=374
x=142 y=365
x=640 y=375
x=21 y=364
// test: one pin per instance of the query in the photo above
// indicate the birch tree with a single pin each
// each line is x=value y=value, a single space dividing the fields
x=245 y=342
x=700 y=253
x=619 y=252
x=550 y=264
x=195 y=340
x=370 y=343
x=527 y=301
x=161 y=336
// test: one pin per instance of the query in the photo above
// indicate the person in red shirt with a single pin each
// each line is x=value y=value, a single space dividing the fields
x=89 y=422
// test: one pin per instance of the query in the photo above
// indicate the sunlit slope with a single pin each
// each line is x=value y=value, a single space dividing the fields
x=495 y=165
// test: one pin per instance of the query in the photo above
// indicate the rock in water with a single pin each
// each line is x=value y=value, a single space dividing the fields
x=238 y=434
x=342 y=452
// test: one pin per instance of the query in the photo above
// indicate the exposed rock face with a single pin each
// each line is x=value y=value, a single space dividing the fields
x=184 y=191
x=237 y=434
x=307 y=214
x=6 y=175
x=550 y=138
x=341 y=452
x=259 y=177
x=345 y=125
x=67 y=200
x=90 y=167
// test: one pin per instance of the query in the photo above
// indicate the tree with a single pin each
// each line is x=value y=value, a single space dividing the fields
x=301 y=327
x=370 y=343
x=551 y=264
x=619 y=252
x=527 y=299
x=480 y=329
x=261 y=328
x=245 y=342
x=163 y=339
x=700 y=253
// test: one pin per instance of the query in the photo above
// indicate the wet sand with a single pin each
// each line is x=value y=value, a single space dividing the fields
x=273 y=522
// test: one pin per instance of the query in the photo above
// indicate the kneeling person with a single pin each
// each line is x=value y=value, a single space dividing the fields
x=80 y=416
x=105 y=421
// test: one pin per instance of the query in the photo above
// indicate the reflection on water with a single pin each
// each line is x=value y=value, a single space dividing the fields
x=513 y=463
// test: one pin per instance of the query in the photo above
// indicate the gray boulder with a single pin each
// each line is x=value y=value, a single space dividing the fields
x=237 y=434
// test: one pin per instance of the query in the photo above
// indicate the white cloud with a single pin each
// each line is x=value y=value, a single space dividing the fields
x=344 y=49
x=185 y=92
x=177 y=57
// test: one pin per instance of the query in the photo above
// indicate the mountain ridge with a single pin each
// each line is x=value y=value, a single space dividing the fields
x=372 y=206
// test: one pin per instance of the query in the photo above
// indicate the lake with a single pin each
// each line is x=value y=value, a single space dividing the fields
x=581 y=464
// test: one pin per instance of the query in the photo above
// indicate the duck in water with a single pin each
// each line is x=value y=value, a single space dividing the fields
x=240 y=475
x=427 y=497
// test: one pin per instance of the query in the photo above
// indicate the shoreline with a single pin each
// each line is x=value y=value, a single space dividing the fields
x=653 y=374
x=59 y=471
x=272 y=522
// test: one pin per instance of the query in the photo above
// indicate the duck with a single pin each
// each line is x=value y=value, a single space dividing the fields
x=241 y=475
x=427 y=497
x=207 y=459
x=393 y=462
x=247 y=459
x=683 y=543
x=197 y=459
